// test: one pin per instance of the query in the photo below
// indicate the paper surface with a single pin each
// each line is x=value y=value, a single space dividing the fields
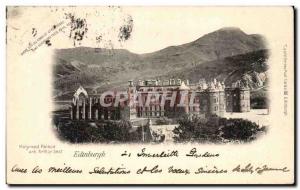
x=219 y=54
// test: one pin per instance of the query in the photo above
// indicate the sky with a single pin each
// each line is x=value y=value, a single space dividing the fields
x=153 y=28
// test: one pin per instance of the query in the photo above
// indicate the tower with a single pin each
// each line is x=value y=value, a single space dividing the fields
x=132 y=108
x=244 y=99
x=213 y=100
x=221 y=99
x=237 y=98
x=183 y=99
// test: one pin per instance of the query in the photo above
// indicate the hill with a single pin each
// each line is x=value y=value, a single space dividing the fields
x=228 y=54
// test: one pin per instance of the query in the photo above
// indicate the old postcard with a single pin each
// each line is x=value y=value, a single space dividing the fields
x=150 y=95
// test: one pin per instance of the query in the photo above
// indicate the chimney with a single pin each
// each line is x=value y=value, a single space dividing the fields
x=187 y=82
x=173 y=81
x=179 y=81
x=204 y=85
x=130 y=83
x=159 y=82
x=215 y=81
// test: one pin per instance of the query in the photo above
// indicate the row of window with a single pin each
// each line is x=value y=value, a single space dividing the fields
x=146 y=113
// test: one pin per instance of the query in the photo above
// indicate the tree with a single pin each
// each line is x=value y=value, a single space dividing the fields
x=239 y=130
x=184 y=132
x=108 y=131
x=195 y=129
x=215 y=129
x=116 y=131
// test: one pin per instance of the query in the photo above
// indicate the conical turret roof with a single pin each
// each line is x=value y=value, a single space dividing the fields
x=183 y=86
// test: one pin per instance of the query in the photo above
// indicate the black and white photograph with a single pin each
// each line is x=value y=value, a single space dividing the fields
x=211 y=90
x=150 y=95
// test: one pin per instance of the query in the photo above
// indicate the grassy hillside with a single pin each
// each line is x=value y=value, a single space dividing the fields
x=250 y=67
x=227 y=54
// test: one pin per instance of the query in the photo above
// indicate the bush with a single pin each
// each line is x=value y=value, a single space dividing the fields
x=106 y=131
x=215 y=129
x=194 y=129
x=239 y=130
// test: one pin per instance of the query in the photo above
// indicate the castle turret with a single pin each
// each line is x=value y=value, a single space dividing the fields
x=215 y=99
x=131 y=102
x=244 y=99
x=183 y=97
x=237 y=98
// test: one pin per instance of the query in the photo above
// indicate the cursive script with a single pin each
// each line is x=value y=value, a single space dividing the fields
x=163 y=154
x=249 y=168
x=111 y=170
x=194 y=153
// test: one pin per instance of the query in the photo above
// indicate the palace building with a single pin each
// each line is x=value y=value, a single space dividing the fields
x=156 y=98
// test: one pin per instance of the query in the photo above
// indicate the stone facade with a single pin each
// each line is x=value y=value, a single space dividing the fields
x=237 y=98
x=145 y=97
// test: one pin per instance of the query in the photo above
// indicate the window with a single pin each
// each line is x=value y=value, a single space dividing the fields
x=193 y=109
x=216 y=108
x=203 y=108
